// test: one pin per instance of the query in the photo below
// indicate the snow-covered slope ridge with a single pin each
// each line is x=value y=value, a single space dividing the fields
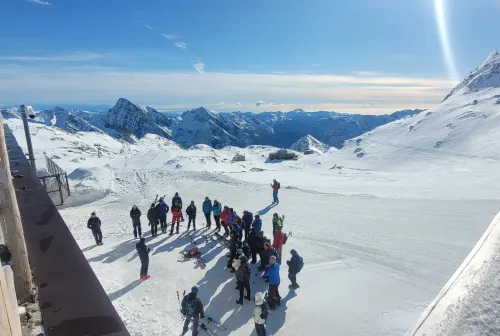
x=131 y=118
x=487 y=75
x=465 y=125
x=67 y=120
x=309 y=142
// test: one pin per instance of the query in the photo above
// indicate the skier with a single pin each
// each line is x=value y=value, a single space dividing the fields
x=163 y=211
x=176 y=218
x=223 y=219
x=191 y=213
x=278 y=241
x=260 y=313
x=143 y=252
x=276 y=186
x=243 y=277
x=177 y=204
x=94 y=223
x=295 y=265
x=153 y=219
x=247 y=222
x=207 y=210
x=257 y=224
x=253 y=241
x=135 y=214
x=192 y=308
x=273 y=274
x=217 y=209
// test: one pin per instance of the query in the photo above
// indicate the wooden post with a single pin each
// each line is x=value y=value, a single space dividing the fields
x=10 y=222
x=9 y=319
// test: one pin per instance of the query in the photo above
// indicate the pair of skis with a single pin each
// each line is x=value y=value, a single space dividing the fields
x=199 y=259
x=211 y=321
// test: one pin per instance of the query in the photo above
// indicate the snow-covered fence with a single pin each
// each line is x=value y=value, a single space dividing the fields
x=56 y=183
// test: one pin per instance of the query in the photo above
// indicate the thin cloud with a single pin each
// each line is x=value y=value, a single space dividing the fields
x=170 y=36
x=221 y=104
x=74 y=57
x=39 y=2
x=149 y=27
x=199 y=67
x=182 y=45
x=237 y=104
x=258 y=103
x=366 y=73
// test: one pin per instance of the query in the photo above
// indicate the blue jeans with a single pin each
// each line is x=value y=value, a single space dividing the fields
x=275 y=197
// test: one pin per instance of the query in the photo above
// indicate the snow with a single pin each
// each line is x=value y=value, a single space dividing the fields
x=382 y=223
x=309 y=143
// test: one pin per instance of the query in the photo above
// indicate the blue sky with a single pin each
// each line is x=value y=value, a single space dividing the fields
x=362 y=56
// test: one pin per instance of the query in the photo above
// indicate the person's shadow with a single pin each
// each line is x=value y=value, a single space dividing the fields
x=116 y=253
x=277 y=318
x=266 y=209
x=119 y=293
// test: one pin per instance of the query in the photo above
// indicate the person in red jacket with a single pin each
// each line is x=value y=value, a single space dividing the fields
x=223 y=220
x=176 y=217
x=278 y=240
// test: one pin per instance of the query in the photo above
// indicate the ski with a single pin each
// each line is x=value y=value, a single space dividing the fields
x=217 y=324
x=199 y=259
x=156 y=199
x=206 y=330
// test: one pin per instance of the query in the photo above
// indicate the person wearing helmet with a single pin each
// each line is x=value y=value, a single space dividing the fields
x=94 y=224
x=243 y=275
x=192 y=308
x=135 y=214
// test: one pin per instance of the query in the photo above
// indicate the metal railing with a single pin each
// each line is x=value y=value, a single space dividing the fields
x=56 y=184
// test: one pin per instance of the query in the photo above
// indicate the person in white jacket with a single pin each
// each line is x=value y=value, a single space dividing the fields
x=260 y=313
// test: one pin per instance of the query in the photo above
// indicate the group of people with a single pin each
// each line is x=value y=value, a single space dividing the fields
x=246 y=241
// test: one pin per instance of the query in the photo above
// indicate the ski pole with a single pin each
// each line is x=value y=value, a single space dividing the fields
x=179 y=300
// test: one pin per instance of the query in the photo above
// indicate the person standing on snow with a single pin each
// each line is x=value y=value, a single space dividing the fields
x=273 y=274
x=257 y=224
x=163 y=211
x=176 y=218
x=247 y=220
x=278 y=235
x=191 y=213
x=153 y=217
x=207 y=210
x=94 y=223
x=143 y=252
x=217 y=209
x=295 y=265
x=269 y=252
x=177 y=204
x=192 y=308
x=253 y=241
x=243 y=275
x=135 y=214
x=223 y=219
x=232 y=248
x=260 y=313
x=276 y=186
x=277 y=222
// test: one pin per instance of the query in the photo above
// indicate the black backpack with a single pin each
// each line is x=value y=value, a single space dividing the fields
x=248 y=272
x=264 y=310
x=5 y=255
x=190 y=307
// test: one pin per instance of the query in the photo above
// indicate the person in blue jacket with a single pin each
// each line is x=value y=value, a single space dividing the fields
x=207 y=210
x=257 y=223
x=273 y=274
x=217 y=209
x=163 y=211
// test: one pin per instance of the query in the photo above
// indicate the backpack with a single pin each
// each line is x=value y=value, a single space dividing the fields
x=5 y=255
x=190 y=307
x=300 y=264
x=264 y=310
x=279 y=185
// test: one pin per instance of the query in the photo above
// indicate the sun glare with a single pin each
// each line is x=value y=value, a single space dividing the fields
x=439 y=12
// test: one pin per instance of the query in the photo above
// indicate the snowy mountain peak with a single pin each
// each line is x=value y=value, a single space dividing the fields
x=487 y=75
x=309 y=143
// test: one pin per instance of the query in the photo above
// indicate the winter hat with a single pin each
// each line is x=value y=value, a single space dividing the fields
x=194 y=290
x=176 y=194
x=259 y=298
x=292 y=251
x=143 y=240
x=152 y=205
x=93 y=213
x=274 y=180
x=257 y=216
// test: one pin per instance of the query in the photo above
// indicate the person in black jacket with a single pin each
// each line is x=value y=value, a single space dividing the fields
x=253 y=241
x=191 y=213
x=293 y=269
x=177 y=204
x=243 y=275
x=232 y=248
x=247 y=220
x=153 y=217
x=135 y=214
x=143 y=252
x=192 y=308
x=94 y=223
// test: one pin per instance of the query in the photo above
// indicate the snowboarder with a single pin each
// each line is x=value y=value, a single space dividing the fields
x=273 y=274
x=253 y=241
x=153 y=217
x=163 y=211
x=176 y=218
x=191 y=213
x=143 y=252
x=192 y=308
x=177 y=204
x=295 y=265
x=260 y=313
x=94 y=223
x=223 y=219
x=217 y=209
x=243 y=275
x=276 y=186
x=207 y=210
x=257 y=224
x=247 y=222
x=135 y=214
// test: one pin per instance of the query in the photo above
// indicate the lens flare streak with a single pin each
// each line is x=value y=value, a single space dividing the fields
x=439 y=12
